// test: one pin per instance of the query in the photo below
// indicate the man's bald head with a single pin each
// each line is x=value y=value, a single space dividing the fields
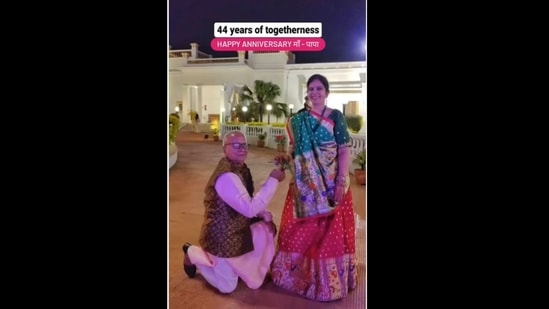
x=235 y=146
x=232 y=135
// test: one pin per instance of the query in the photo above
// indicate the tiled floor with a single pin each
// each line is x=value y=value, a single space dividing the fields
x=196 y=159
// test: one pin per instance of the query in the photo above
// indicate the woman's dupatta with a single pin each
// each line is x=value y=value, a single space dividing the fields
x=315 y=164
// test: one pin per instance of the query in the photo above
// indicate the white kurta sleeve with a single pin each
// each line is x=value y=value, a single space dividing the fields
x=232 y=191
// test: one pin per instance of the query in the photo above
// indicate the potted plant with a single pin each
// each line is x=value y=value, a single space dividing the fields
x=360 y=173
x=174 y=128
x=192 y=114
x=215 y=130
x=261 y=139
x=215 y=134
x=280 y=142
x=354 y=123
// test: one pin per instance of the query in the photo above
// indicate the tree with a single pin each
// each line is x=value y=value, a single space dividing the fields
x=280 y=109
x=265 y=93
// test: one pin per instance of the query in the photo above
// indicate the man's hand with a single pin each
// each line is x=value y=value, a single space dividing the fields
x=278 y=174
x=272 y=227
x=267 y=216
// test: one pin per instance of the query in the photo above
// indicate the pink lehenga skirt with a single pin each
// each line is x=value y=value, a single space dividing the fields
x=315 y=257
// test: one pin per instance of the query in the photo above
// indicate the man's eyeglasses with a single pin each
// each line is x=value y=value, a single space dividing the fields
x=238 y=146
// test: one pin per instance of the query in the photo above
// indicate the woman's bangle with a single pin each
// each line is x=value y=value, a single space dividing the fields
x=341 y=178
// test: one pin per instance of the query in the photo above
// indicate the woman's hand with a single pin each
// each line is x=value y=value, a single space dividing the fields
x=341 y=185
x=339 y=192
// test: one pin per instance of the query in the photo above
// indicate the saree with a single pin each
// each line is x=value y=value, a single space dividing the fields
x=315 y=255
x=315 y=163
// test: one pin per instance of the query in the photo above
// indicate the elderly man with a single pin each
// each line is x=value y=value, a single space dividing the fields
x=237 y=236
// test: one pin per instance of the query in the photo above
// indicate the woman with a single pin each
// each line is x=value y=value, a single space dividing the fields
x=316 y=245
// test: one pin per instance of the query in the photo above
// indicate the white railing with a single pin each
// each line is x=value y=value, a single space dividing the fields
x=273 y=133
x=357 y=143
x=231 y=127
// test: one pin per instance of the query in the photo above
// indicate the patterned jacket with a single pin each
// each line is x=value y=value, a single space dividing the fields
x=225 y=232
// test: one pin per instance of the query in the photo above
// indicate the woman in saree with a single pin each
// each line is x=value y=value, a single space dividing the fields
x=315 y=255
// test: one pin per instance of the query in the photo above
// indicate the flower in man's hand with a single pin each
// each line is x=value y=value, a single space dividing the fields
x=283 y=161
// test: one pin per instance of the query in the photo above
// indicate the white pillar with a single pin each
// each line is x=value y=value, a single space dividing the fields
x=194 y=50
x=241 y=55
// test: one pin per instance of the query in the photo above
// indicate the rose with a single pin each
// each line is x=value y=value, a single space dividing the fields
x=284 y=161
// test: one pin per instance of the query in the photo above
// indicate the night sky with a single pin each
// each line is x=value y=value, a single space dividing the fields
x=343 y=23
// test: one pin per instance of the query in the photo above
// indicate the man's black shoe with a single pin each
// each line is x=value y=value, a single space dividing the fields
x=190 y=269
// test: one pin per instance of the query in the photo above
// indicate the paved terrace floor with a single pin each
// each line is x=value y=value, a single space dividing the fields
x=197 y=158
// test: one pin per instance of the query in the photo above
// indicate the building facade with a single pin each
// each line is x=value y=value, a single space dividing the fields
x=211 y=86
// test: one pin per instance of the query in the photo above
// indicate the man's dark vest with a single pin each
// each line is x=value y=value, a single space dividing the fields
x=225 y=232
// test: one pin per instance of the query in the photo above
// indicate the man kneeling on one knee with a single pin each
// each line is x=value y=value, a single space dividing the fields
x=237 y=235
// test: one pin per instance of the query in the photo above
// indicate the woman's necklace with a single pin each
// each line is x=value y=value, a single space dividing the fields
x=319 y=120
x=323 y=110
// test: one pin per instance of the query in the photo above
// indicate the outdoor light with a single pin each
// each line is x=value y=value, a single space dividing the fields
x=269 y=108
x=177 y=109
x=244 y=109
x=291 y=106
